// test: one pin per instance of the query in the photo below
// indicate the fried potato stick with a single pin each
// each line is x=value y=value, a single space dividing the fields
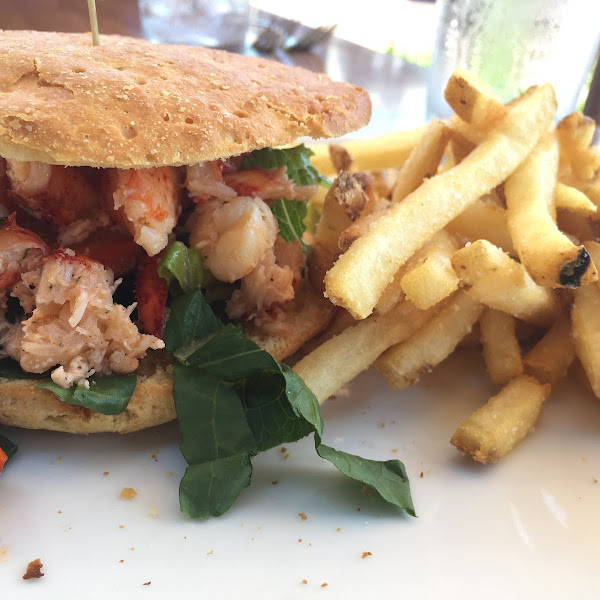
x=360 y=275
x=423 y=161
x=573 y=200
x=433 y=279
x=501 y=350
x=388 y=151
x=493 y=430
x=549 y=256
x=498 y=281
x=472 y=100
x=344 y=356
x=549 y=360
x=403 y=364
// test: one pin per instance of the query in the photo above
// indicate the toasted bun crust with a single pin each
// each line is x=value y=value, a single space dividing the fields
x=131 y=104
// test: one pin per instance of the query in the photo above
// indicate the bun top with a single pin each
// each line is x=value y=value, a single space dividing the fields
x=131 y=104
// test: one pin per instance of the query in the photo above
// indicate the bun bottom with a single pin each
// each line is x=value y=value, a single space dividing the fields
x=22 y=404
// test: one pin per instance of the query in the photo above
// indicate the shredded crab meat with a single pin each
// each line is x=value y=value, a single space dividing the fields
x=205 y=181
x=76 y=325
x=147 y=204
x=233 y=237
x=270 y=283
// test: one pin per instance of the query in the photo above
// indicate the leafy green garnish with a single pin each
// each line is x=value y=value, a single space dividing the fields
x=10 y=448
x=290 y=215
x=296 y=160
x=106 y=395
x=184 y=265
x=234 y=400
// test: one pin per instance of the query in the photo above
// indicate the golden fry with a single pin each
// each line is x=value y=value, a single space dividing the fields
x=472 y=100
x=500 y=282
x=403 y=364
x=573 y=200
x=433 y=279
x=493 y=430
x=501 y=349
x=549 y=256
x=388 y=151
x=344 y=356
x=549 y=360
x=484 y=219
x=423 y=161
x=360 y=275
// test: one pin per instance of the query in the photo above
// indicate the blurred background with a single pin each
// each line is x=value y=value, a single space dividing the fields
x=401 y=51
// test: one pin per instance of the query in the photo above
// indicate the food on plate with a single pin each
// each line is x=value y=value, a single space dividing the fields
x=148 y=223
x=500 y=203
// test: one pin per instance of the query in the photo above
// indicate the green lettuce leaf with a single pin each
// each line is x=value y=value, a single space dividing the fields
x=233 y=401
x=296 y=160
x=106 y=395
x=290 y=215
x=10 y=448
x=184 y=265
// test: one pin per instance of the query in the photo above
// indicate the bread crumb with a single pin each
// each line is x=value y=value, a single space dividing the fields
x=324 y=585
x=34 y=570
x=59 y=512
x=283 y=450
x=394 y=450
x=147 y=583
x=122 y=560
x=381 y=425
x=57 y=460
x=286 y=456
x=153 y=511
x=302 y=516
x=299 y=539
x=128 y=493
x=105 y=473
x=339 y=529
x=155 y=457
x=132 y=548
x=3 y=553
x=594 y=480
x=274 y=482
x=209 y=553
x=304 y=582
x=121 y=526
x=169 y=473
x=365 y=554
x=421 y=475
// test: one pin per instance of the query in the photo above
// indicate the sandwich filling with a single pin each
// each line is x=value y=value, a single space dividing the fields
x=72 y=235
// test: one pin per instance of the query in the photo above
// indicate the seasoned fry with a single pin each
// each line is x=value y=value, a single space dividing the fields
x=500 y=282
x=423 y=161
x=403 y=364
x=388 y=151
x=501 y=349
x=344 y=356
x=472 y=100
x=549 y=360
x=571 y=199
x=358 y=278
x=393 y=292
x=433 y=279
x=484 y=219
x=549 y=256
x=493 y=430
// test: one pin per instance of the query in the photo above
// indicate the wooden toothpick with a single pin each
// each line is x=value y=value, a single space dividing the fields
x=93 y=22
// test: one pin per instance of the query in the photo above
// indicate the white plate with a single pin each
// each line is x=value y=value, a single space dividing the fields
x=528 y=527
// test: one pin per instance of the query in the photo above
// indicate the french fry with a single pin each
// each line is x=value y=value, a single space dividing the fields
x=403 y=364
x=585 y=319
x=575 y=133
x=360 y=275
x=501 y=350
x=484 y=219
x=498 y=281
x=433 y=279
x=573 y=200
x=344 y=356
x=460 y=145
x=549 y=256
x=493 y=430
x=393 y=292
x=423 y=161
x=388 y=151
x=472 y=100
x=549 y=360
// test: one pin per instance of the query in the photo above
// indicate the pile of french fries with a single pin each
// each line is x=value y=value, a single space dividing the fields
x=476 y=230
